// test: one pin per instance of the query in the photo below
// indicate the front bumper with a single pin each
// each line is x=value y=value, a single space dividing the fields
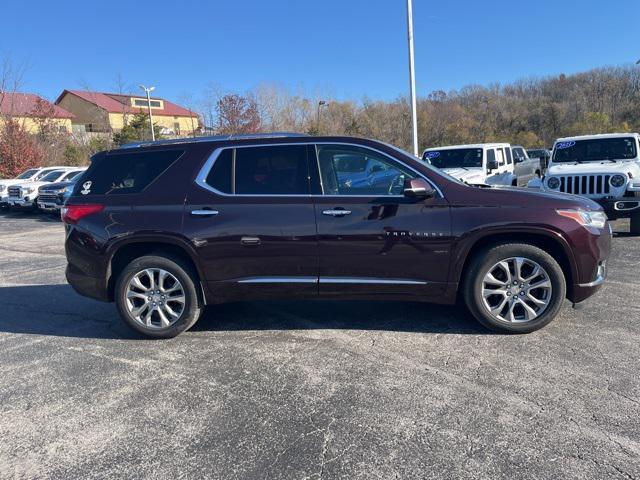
x=49 y=206
x=20 y=202
x=619 y=207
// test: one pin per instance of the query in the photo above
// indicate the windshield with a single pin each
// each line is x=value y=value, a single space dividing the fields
x=27 y=174
x=52 y=176
x=455 y=158
x=594 y=150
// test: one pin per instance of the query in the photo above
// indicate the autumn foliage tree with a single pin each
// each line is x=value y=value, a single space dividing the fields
x=19 y=150
x=237 y=114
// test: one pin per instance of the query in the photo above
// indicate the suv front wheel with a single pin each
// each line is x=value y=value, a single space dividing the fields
x=635 y=223
x=157 y=296
x=514 y=288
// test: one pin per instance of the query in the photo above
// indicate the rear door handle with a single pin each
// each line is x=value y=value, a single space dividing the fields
x=336 y=212
x=205 y=212
x=250 y=241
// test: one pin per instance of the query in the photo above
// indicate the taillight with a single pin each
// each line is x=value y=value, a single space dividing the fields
x=73 y=213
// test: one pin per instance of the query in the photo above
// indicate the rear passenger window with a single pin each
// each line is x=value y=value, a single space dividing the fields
x=122 y=173
x=220 y=176
x=491 y=155
x=280 y=170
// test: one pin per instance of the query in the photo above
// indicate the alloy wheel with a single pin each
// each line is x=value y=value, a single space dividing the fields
x=155 y=298
x=516 y=290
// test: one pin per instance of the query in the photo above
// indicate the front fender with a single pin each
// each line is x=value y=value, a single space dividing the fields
x=471 y=240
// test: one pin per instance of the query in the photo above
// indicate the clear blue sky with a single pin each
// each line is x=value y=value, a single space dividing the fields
x=344 y=48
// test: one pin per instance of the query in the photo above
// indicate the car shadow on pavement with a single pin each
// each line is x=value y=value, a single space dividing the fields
x=14 y=214
x=56 y=310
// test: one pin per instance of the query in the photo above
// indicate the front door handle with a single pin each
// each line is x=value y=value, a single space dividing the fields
x=250 y=241
x=204 y=212
x=336 y=212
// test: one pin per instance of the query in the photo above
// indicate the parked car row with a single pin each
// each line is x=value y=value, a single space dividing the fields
x=40 y=188
x=604 y=168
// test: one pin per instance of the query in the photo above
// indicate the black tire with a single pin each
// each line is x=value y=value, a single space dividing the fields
x=634 y=228
x=188 y=280
x=480 y=266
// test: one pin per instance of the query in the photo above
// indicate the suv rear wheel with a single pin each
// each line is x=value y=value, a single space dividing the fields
x=514 y=288
x=157 y=296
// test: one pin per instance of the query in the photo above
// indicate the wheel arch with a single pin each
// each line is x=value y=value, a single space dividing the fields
x=549 y=241
x=123 y=252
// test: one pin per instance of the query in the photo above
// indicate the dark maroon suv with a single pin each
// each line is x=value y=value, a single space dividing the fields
x=165 y=228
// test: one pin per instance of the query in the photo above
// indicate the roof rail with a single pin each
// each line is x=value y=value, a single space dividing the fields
x=214 y=138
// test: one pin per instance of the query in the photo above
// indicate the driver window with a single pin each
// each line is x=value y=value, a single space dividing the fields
x=351 y=170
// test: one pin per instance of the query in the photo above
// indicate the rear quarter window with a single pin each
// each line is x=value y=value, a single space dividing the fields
x=125 y=173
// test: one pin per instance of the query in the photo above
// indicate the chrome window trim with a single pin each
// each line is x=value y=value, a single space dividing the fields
x=208 y=165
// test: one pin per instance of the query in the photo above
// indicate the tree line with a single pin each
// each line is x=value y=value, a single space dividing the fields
x=531 y=112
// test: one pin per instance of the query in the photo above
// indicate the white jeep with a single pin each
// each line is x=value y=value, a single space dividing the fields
x=481 y=163
x=604 y=168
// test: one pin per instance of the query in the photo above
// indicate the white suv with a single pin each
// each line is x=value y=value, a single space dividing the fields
x=25 y=194
x=605 y=168
x=31 y=175
x=481 y=163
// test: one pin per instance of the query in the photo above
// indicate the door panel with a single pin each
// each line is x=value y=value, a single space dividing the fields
x=372 y=239
x=384 y=246
x=255 y=246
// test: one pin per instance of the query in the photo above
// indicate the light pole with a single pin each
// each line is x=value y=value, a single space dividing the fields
x=412 y=78
x=148 y=91
x=321 y=103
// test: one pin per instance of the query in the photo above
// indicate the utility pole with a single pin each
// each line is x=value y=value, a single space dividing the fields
x=321 y=103
x=412 y=79
x=148 y=91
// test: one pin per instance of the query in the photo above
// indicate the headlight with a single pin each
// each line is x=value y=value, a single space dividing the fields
x=61 y=191
x=584 y=218
x=3 y=188
x=28 y=190
x=618 y=181
x=553 y=183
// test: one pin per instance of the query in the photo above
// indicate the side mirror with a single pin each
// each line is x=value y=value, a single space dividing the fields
x=418 y=188
x=518 y=159
x=492 y=165
x=375 y=168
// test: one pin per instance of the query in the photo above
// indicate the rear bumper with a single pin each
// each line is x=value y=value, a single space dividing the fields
x=85 y=285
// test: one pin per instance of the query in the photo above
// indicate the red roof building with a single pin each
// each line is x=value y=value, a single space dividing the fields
x=109 y=112
x=31 y=110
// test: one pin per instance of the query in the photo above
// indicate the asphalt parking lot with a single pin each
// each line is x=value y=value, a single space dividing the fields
x=310 y=389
